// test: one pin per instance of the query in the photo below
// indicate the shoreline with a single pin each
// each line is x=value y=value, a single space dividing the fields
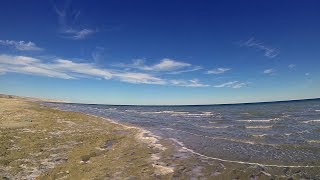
x=153 y=139
x=102 y=147
x=148 y=137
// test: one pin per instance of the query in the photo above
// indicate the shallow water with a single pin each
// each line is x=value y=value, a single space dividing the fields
x=271 y=134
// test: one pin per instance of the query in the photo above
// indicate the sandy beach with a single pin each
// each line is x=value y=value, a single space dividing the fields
x=44 y=143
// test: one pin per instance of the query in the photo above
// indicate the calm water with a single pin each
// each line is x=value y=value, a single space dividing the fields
x=282 y=133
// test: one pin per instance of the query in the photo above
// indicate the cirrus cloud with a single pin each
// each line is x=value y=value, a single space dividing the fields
x=232 y=84
x=268 y=51
x=169 y=66
x=164 y=65
x=68 y=19
x=218 y=71
x=188 y=83
x=21 y=45
x=79 y=34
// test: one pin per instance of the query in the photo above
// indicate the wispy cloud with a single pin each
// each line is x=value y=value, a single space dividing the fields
x=79 y=34
x=2 y=71
x=268 y=51
x=307 y=74
x=21 y=45
x=99 y=55
x=80 y=68
x=68 y=69
x=60 y=68
x=166 y=65
x=218 y=71
x=139 y=78
x=68 y=18
x=28 y=65
x=188 y=83
x=196 y=68
x=269 y=71
x=291 y=66
x=232 y=84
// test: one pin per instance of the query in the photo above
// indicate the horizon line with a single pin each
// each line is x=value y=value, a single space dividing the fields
x=241 y=103
x=49 y=100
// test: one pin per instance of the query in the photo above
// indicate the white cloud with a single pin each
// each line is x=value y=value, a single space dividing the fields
x=21 y=45
x=307 y=74
x=60 y=68
x=218 y=71
x=227 y=84
x=41 y=71
x=81 y=68
x=169 y=66
x=28 y=65
x=291 y=66
x=164 y=65
x=232 y=84
x=68 y=69
x=239 y=85
x=17 y=60
x=188 y=83
x=2 y=70
x=269 y=71
x=139 y=78
x=268 y=51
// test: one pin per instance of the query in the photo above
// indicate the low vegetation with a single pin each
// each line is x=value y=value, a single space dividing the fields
x=41 y=142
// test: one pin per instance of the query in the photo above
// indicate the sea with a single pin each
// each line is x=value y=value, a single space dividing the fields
x=279 y=134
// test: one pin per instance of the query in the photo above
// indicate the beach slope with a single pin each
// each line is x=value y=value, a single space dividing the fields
x=45 y=143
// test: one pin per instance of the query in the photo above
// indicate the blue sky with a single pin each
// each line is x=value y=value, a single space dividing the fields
x=160 y=52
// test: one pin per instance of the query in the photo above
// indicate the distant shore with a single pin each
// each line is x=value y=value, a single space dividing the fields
x=33 y=99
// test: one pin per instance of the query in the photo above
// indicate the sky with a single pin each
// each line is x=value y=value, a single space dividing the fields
x=160 y=52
